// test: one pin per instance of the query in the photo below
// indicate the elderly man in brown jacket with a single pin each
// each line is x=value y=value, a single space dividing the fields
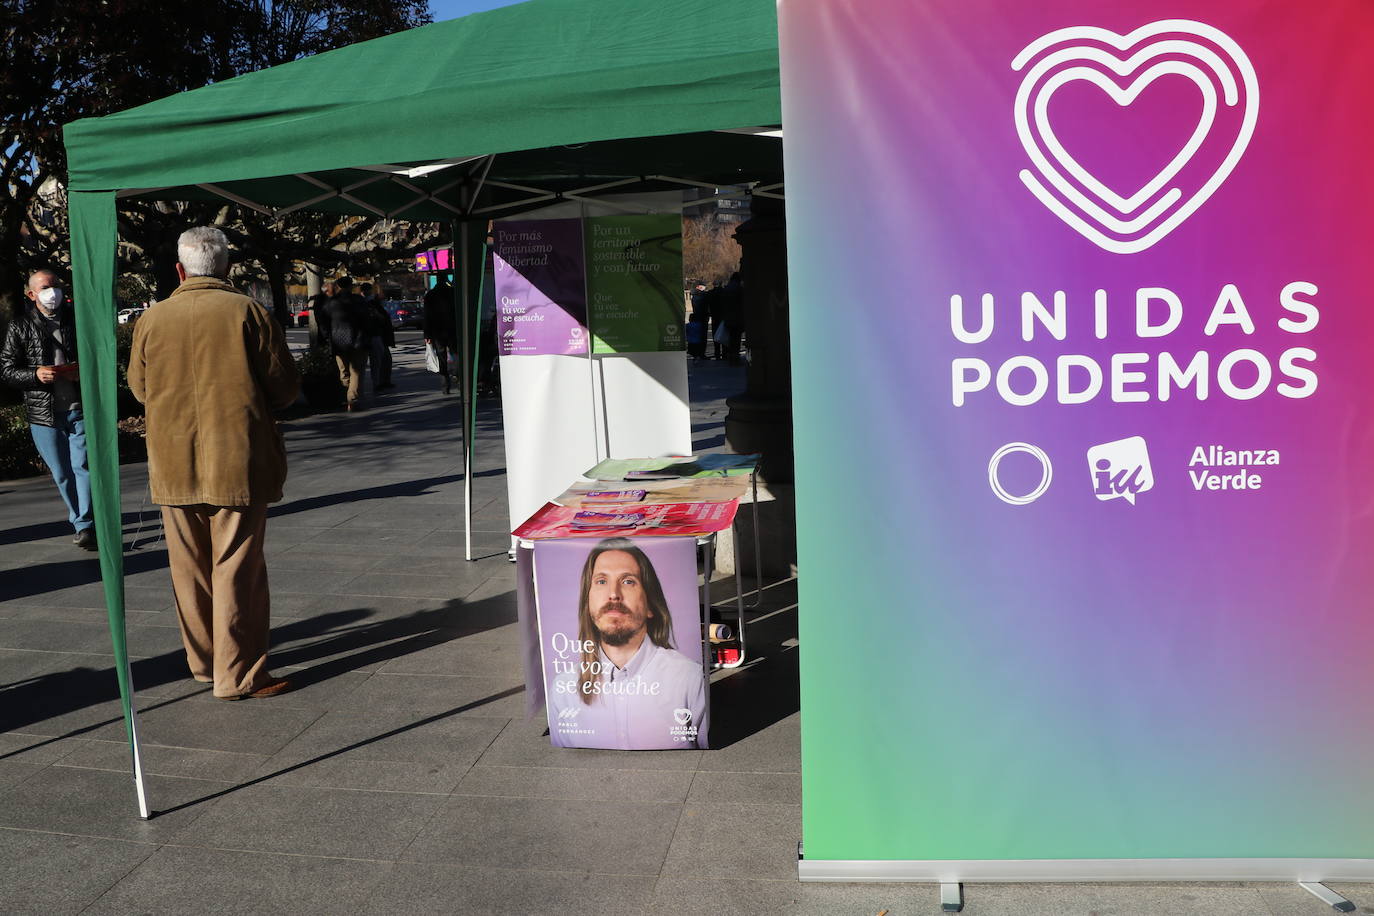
x=210 y=364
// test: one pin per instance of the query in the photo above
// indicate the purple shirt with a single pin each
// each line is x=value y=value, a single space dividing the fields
x=656 y=702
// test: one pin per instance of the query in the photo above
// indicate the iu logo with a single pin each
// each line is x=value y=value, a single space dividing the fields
x=1149 y=202
x=1121 y=469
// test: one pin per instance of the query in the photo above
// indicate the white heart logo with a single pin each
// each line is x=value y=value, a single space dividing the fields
x=1207 y=57
x=682 y=715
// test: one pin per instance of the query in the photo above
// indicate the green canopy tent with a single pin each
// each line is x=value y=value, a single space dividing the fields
x=463 y=121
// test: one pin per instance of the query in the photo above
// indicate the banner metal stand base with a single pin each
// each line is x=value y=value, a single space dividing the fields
x=1307 y=872
x=1328 y=896
x=952 y=891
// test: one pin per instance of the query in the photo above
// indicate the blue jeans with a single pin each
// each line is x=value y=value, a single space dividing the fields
x=63 y=447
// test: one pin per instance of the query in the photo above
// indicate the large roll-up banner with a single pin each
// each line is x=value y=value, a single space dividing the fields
x=593 y=364
x=1088 y=287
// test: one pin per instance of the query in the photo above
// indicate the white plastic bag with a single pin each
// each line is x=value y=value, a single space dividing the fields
x=432 y=358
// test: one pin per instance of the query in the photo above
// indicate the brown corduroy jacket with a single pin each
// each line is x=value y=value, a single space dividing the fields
x=211 y=365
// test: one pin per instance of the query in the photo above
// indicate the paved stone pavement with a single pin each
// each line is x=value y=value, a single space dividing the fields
x=402 y=776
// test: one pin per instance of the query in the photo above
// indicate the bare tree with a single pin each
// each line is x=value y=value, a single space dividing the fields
x=710 y=253
x=86 y=58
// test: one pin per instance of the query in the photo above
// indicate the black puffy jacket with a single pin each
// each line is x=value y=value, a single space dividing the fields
x=26 y=348
x=347 y=323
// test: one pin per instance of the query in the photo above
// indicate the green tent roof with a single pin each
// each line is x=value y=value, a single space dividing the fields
x=554 y=86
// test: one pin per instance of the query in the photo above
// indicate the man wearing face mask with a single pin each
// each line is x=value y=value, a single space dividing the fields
x=39 y=357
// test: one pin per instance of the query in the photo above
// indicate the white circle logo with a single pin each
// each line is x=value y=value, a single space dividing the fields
x=1046 y=473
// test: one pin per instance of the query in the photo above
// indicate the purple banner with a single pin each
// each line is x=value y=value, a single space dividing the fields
x=621 y=640
x=541 y=296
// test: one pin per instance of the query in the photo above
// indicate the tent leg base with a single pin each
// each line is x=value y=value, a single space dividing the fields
x=1328 y=896
x=951 y=897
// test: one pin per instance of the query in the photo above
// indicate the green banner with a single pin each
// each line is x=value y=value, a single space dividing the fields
x=634 y=283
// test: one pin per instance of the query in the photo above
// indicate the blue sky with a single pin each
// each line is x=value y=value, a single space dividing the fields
x=452 y=9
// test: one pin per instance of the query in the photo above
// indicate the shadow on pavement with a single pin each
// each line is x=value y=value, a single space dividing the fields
x=48 y=696
x=437 y=717
x=766 y=689
x=409 y=488
x=44 y=530
x=39 y=578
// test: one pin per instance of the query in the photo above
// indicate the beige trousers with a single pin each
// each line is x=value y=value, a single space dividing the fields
x=219 y=576
x=351 y=373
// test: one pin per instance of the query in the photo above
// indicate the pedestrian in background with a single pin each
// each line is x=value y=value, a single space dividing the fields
x=439 y=326
x=488 y=361
x=39 y=357
x=211 y=365
x=319 y=332
x=348 y=337
x=696 y=335
x=731 y=306
x=711 y=300
x=698 y=297
x=382 y=336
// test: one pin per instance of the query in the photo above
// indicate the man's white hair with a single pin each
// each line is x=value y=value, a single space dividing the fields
x=204 y=252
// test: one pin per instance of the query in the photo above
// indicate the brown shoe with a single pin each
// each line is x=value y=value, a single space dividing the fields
x=270 y=689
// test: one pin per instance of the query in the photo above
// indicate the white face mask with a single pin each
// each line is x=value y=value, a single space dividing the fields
x=50 y=298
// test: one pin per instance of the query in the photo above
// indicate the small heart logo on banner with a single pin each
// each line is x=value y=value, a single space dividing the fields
x=1122 y=67
x=682 y=716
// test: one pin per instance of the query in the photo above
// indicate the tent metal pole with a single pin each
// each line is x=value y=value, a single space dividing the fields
x=237 y=198
x=595 y=372
x=482 y=179
x=506 y=207
x=475 y=351
x=460 y=238
x=135 y=748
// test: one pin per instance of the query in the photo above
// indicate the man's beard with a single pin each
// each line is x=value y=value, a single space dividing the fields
x=617 y=637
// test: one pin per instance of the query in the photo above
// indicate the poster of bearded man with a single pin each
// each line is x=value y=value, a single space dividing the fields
x=620 y=636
